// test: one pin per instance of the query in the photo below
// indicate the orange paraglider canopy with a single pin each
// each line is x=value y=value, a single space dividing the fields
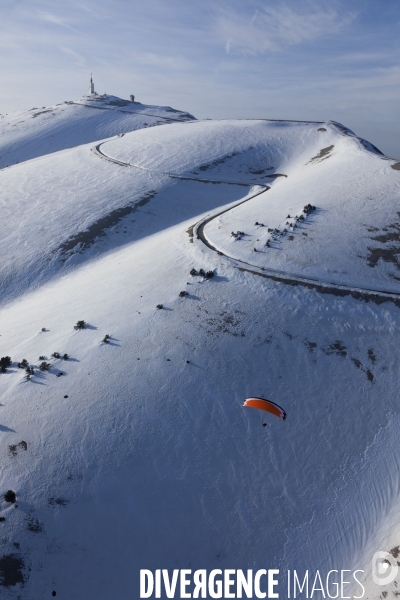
x=266 y=405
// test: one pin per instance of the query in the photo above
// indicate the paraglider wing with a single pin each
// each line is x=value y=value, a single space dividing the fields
x=266 y=405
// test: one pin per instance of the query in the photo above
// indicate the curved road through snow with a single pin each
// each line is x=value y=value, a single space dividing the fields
x=370 y=295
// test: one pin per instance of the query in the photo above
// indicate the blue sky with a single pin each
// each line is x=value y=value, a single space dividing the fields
x=298 y=59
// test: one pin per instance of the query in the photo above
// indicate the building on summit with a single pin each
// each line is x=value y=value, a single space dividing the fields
x=95 y=96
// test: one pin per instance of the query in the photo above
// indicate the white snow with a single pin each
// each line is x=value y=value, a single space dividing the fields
x=151 y=461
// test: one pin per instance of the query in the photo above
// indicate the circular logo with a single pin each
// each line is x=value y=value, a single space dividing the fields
x=384 y=568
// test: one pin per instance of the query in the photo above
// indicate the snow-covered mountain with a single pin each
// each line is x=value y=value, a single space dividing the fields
x=135 y=452
x=36 y=132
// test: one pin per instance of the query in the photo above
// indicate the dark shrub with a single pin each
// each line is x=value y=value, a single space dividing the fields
x=10 y=496
x=202 y=272
x=65 y=356
x=209 y=274
x=56 y=355
x=183 y=294
x=106 y=339
x=193 y=271
x=80 y=325
x=160 y=306
x=5 y=361
x=44 y=366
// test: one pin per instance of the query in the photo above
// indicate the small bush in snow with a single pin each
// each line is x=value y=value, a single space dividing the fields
x=193 y=271
x=80 y=325
x=160 y=306
x=23 y=364
x=202 y=272
x=209 y=274
x=308 y=209
x=29 y=372
x=44 y=366
x=183 y=294
x=42 y=358
x=106 y=339
x=65 y=356
x=5 y=361
x=10 y=496
x=56 y=355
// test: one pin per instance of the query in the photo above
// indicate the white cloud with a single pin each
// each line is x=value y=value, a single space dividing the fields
x=52 y=19
x=160 y=60
x=80 y=61
x=273 y=29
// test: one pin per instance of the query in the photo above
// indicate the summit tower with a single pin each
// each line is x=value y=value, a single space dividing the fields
x=91 y=87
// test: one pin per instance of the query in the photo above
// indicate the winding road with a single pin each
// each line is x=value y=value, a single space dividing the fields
x=377 y=296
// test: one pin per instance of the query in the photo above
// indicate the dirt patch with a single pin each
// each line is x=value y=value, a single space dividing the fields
x=321 y=129
x=13 y=449
x=370 y=376
x=58 y=502
x=337 y=347
x=216 y=163
x=259 y=171
x=224 y=323
x=396 y=166
x=388 y=255
x=289 y=335
x=390 y=237
x=310 y=345
x=87 y=238
x=34 y=525
x=322 y=154
x=395 y=551
x=11 y=570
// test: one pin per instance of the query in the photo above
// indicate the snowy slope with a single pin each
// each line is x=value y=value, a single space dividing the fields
x=140 y=455
x=38 y=131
